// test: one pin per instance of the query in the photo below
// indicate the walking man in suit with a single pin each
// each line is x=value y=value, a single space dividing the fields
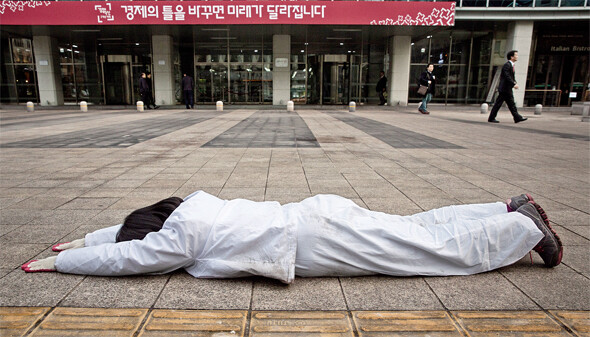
x=507 y=82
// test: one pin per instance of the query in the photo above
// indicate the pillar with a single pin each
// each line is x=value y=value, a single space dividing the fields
x=281 y=71
x=163 y=70
x=398 y=78
x=48 y=70
x=520 y=37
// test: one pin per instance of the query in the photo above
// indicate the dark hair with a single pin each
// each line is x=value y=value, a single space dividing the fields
x=429 y=64
x=510 y=54
x=146 y=220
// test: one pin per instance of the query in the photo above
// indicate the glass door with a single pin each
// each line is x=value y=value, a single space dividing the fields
x=211 y=83
x=117 y=82
x=336 y=80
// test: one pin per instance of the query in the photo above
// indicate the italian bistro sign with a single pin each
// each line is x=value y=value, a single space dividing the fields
x=65 y=13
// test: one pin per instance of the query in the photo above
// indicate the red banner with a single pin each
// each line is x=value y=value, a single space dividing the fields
x=65 y=13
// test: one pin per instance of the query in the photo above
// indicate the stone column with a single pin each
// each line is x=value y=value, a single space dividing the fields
x=520 y=37
x=398 y=77
x=281 y=71
x=163 y=69
x=48 y=70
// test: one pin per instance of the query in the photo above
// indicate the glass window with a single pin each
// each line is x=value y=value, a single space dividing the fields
x=457 y=83
x=25 y=83
x=439 y=48
x=474 y=3
x=546 y=3
x=22 y=51
x=572 y=3
x=501 y=3
x=420 y=51
x=460 y=47
x=478 y=83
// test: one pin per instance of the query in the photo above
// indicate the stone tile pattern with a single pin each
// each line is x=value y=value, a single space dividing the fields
x=122 y=135
x=267 y=129
x=394 y=136
x=50 y=195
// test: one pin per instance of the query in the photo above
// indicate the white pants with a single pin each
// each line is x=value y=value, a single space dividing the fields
x=453 y=240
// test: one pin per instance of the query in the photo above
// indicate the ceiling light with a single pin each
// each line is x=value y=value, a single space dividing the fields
x=342 y=44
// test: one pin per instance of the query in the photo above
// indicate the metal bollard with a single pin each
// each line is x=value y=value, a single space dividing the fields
x=351 y=106
x=219 y=106
x=484 y=108
x=83 y=106
x=538 y=109
x=30 y=107
x=139 y=106
x=290 y=106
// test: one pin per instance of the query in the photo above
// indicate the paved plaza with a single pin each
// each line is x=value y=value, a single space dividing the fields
x=64 y=173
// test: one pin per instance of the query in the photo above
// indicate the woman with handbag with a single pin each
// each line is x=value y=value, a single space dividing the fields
x=427 y=84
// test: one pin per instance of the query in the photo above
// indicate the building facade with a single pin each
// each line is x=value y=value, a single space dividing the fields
x=329 y=56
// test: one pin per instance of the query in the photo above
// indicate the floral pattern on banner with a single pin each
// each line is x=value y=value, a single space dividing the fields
x=438 y=17
x=20 y=5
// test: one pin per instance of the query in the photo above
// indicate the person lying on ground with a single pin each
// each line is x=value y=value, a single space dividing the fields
x=324 y=235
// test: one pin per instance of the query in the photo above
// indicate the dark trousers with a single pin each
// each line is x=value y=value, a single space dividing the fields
x=145 y=98
x=509 y=99
x=188 y=98
x=382 y=98
x=151 y=99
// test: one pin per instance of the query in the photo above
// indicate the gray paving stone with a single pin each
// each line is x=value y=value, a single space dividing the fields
x=556 y=288
x=40 y=203
x=89 y=203
x=354 y=161
x=13 y=255
x=389 y=293
x=487 y=291
x=183 y=291
x=5 y=271
x=18 y=216
x=38 y=234
x=63 y=217
x=303 y=294
x=35 y=289
x=5 y=229
x=119 y=292
x=576 y=257
x=583 y=231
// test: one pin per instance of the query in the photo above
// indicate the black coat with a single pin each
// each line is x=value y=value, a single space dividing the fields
x=187 y=83
x=424 y=78
x=144 y=86
x=507 y=80
x=382 y=84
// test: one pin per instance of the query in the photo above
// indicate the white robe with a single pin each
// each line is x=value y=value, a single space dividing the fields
x=325 y=235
